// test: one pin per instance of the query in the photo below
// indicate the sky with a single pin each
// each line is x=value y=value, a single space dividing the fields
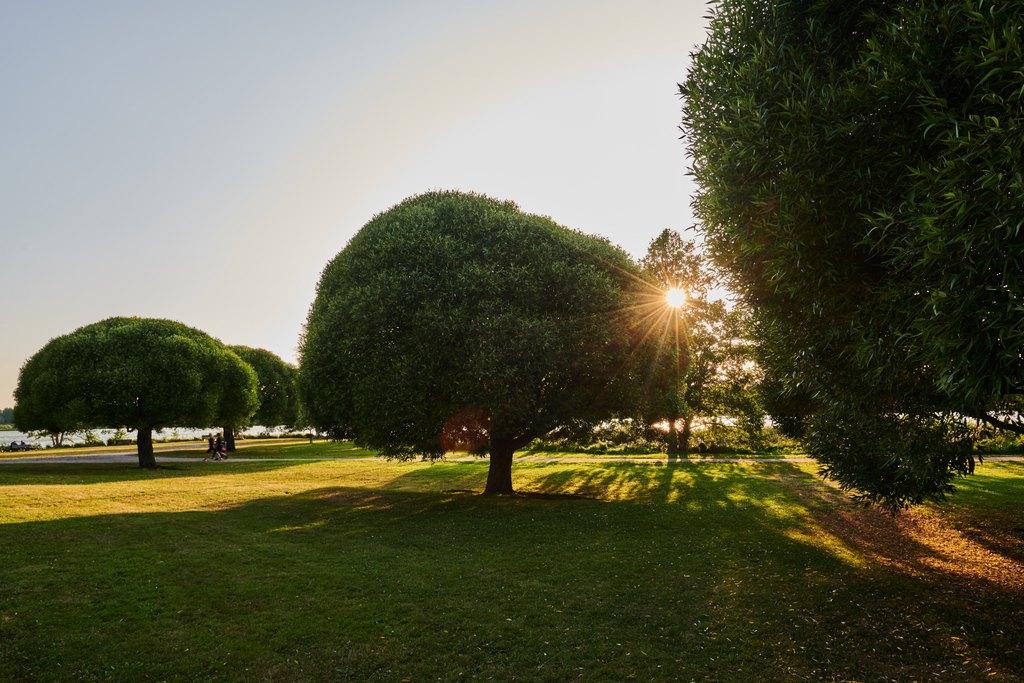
x=203 y=161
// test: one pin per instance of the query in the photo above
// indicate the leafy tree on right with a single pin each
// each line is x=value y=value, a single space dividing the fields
x=859 y=174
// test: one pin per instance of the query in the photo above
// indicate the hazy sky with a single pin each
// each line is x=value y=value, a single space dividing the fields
x=202 y=161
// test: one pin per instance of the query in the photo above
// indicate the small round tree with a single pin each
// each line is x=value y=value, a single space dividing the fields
x=139 y=373
x=276 y=389
x=457 y=322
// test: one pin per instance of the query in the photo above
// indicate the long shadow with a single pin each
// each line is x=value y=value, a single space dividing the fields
x=798 y=503
x=925 y=554
x=981 y=545
x=658 y=572
x=100 y=473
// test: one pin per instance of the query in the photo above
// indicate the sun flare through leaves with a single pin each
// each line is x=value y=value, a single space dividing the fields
x=675 y=297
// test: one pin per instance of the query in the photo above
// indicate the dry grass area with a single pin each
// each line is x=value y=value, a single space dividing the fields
x=922 y=542
x=975 y=550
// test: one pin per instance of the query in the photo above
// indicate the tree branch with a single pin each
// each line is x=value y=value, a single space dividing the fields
x=1015 y=427
x=523 y=440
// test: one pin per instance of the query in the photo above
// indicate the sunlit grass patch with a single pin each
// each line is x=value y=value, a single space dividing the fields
x=363 y=568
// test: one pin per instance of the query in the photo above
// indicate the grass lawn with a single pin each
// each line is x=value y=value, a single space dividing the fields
x=299 y=450
x=354 y=568
x=320 y=449
x=611 y=457
x=281 y=450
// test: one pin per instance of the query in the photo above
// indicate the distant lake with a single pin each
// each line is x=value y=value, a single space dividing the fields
x=6 y=437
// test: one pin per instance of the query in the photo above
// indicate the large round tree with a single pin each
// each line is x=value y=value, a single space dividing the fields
x=139 y=373
x=276 y=388
x=859 y=174
x=457 y=322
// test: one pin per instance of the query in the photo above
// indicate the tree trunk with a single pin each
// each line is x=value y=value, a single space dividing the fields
x=684 y=438
x=145 y=447
x=229 y=438
x=499 y=474
x=673 y=437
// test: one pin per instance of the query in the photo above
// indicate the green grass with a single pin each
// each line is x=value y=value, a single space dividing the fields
x=181 y=447
x=300 y=450
x=355 y=569
x=611 y=457
x=186 y=448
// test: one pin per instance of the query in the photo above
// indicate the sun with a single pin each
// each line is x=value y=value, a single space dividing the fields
x=675 y=297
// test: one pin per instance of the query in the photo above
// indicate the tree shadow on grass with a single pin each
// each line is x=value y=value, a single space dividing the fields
x=1000 y=533
x=986 y=552
x=666 y=572
x=100 y=473
x=981 y=547
x=930 y=555
x=987 y=508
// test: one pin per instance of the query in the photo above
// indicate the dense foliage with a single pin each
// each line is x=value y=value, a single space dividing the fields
x=276 y=387
x=139 y=373
x=457 y=322
x=859 y=172
x=275 y=382
x=707 y=363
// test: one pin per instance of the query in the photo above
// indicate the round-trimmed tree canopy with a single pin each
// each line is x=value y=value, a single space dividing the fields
x=457 y=322
x=276 y=380
x=139 y=373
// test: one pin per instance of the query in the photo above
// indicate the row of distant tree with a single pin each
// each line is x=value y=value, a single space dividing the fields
x=147 y=374
x=6 y=416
